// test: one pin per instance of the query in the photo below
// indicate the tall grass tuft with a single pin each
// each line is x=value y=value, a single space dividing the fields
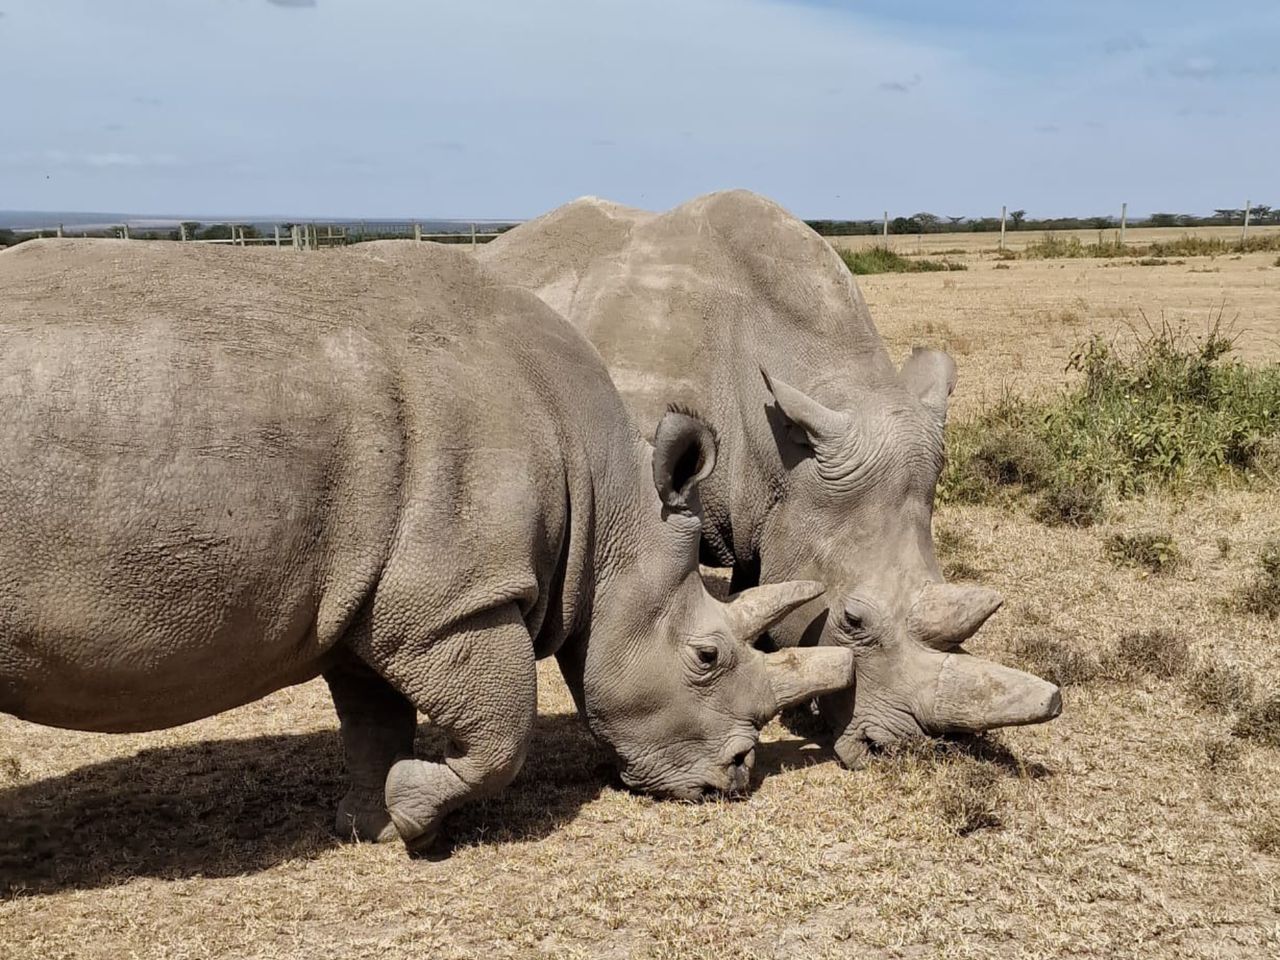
x=1054 y=247
x=1173 y=411
x=882 y=260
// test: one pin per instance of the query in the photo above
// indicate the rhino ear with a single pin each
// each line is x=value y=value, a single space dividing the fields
x=931 y=376
x=684 y=454
x=809 y=423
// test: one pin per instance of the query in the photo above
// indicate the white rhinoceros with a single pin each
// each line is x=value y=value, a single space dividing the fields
x=828 y=460
x=225 y=472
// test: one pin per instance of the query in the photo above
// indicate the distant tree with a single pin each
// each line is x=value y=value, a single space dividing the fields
x=1229 y=214
x=928 y=222
x=955 y=221
x=1101 y=223
x=1164 y=219
x=1017 y=216
x=1261 y=213
x=904 y=225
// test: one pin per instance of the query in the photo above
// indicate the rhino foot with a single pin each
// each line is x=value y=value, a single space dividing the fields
x=363 y=818
x=418 y=795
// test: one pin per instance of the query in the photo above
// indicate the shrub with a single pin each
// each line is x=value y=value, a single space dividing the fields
x=1260 y=721
x=882 y=260
x=1223 y=687
x=1071 y=503
x=1160 y=653
x=1056 y=662
x=1150 y=549
x=968 y=796
x=1261 y=595
x=1173 y=411
x=1051 y=246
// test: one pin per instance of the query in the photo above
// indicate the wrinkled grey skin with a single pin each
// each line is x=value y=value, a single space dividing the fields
x=225 y=472
x=829 y=455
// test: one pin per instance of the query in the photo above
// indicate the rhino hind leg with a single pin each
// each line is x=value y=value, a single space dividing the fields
x=478 y=683
x=378 y=725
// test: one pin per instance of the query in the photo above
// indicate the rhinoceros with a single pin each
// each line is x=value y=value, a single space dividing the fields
x=829 y=455
x=224 y=472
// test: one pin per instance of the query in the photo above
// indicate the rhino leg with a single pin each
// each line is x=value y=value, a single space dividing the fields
x=377 y=725
x=479 y=685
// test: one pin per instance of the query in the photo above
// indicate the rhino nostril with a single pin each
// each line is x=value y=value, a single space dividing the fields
x=740 y=759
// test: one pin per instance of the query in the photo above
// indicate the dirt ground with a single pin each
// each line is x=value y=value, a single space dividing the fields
x=1135 y=825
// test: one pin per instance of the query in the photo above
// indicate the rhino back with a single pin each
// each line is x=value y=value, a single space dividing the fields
x=685 y=305
x=211 y=460
x=197 y=481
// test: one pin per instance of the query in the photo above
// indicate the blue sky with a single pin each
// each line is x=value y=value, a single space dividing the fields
x=506 y=108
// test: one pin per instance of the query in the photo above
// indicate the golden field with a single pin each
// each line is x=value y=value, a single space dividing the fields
x=1135 y=825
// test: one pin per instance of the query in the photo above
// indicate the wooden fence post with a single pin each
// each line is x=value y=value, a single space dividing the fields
x=125 y=230
x=473 y=237
x=1003 y=211
x=1124 y=220
x=59 y=231
x=886 y=230
x=1244 y=231
x=277 y=229
x=417 y=231
x=295 y=234
x=182 y=231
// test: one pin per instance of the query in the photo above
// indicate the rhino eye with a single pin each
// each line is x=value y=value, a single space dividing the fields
x=707 y=655
x=853 y=620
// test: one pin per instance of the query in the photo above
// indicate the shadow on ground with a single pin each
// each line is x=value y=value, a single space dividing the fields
x=230 y=807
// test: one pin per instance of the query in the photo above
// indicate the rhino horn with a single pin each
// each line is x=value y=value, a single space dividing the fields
x=798 y=674
x=810 y=422
x=931 y=376
x=753 y=611
x=947 y=614
x=972 y=695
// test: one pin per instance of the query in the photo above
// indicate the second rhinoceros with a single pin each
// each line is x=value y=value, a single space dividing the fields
x=222 y=473
x=829 y=455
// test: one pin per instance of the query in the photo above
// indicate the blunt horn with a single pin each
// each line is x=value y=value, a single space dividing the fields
x=798 y=674
x=947 y=614
x=973 y=695
x=755 y=610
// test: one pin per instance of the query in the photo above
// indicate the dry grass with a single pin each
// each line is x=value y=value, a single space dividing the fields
x=1017 y=240
x=1135 y=825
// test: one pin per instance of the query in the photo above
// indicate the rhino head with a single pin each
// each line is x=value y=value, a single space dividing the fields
x=856 y=515
x=671 y=680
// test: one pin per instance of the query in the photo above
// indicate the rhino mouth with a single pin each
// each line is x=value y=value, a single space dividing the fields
x=723 y=779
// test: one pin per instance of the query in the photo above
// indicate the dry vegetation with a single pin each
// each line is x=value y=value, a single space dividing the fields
x=1142 y=823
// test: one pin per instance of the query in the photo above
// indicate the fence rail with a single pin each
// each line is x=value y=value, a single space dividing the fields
x=299 y=236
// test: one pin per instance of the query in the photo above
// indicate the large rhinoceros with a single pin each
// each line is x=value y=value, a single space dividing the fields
x=224 y=472
x=829 y=455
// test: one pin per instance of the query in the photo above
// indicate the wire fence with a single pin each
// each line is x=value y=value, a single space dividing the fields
x=299 y=236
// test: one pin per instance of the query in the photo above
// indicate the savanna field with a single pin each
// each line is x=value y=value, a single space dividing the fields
x=1114 y=471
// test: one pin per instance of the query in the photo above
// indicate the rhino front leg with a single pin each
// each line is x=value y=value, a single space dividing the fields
x=377 y=725
x=477 y=683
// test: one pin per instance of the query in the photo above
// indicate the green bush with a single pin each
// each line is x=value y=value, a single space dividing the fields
x=1153 y=550
x=882 y=260
x=1053 y=247
x=1172 y=411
